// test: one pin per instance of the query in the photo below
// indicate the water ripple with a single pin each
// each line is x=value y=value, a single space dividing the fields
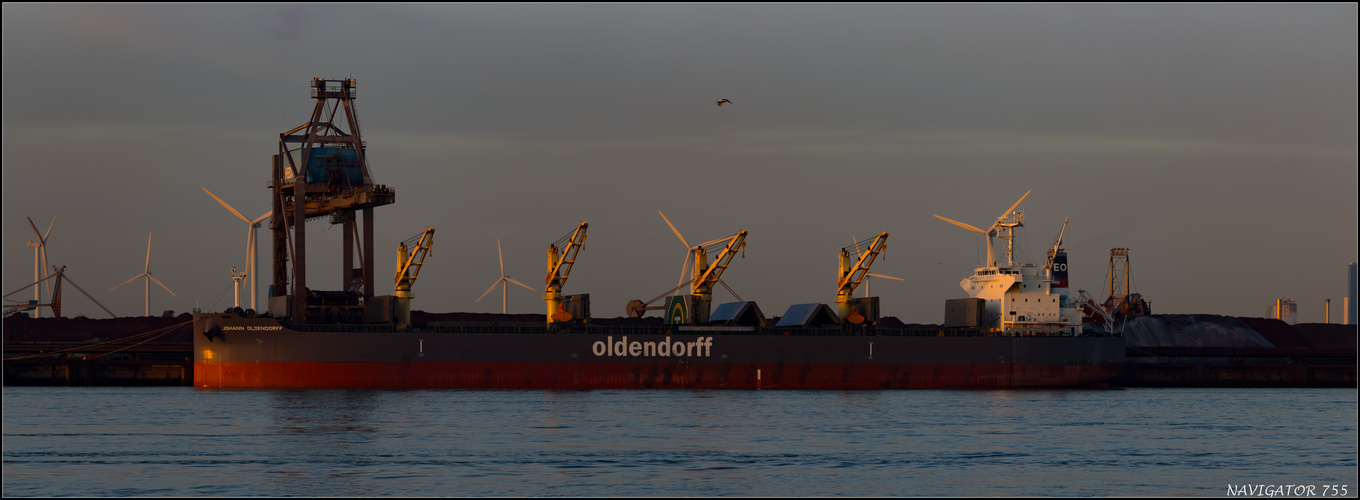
x=1158 y=442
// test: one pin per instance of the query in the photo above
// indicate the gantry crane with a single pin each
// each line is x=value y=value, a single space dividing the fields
x=328 y=175
x=408 y=268
x=850 y=277
x=1122 y=300
x=560 y=260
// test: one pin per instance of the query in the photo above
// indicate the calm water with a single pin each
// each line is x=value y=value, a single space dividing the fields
x=88 y=441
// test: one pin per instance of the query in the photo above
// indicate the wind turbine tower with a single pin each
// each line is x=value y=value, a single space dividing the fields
x=252 y=267
x=40 y=261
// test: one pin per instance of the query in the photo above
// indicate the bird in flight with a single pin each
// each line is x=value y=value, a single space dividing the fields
x=720 y=103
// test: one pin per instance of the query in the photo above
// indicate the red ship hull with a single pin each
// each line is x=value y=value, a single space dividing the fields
x=641 y=375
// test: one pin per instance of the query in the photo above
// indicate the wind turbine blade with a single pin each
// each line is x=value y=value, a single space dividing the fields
x=512 y=280
x=49 y=229
x=1017 y=203
x=876 y=275
x=677 y=231
x=158 y=282
x=962 y=225
x=498 y=256
x=219 y=200
x=493 y=287
x=35 y=229
x=134 y=278
x=148 y=253
x=261 y=218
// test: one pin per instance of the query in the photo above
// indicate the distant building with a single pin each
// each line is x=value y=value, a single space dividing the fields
x=1285 y=310
x=1348 y=309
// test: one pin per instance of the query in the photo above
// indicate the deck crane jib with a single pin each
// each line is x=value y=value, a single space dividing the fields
x=409 y=260
x=1055 y=266
x=1055 y=249
x=850 y=276
x=561 y=258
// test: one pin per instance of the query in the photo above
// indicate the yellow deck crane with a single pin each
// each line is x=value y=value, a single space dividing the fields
x=849 y=277
x=704 y=276
x=560 y=260
x=408 y=268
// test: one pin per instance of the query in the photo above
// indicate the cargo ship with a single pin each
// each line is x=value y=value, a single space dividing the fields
x=234 y=351
x=354 y=339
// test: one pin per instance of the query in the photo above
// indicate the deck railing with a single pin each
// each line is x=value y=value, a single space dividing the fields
x=674 y=330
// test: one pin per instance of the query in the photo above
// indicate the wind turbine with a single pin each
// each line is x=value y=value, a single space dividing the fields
x=504 y=279
x=40 y=249
x=149 y=278
x=251 y=265
x=1001 y=222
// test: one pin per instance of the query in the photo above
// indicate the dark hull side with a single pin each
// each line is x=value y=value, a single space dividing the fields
x=257 y=353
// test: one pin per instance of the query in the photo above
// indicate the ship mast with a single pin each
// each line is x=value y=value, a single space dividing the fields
x=1009 y=220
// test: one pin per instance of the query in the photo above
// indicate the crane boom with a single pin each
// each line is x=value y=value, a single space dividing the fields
x=59 y=273
x=850 y=279
x=408 y=268
x=704 y=281
x=1053 y=252
x=410 y=261
x=560 y=262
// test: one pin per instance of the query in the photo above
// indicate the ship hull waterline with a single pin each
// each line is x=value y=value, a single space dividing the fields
x=258 y=353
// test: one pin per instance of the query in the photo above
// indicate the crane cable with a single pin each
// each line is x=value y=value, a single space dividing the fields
x=149 y=336
x=668 y=292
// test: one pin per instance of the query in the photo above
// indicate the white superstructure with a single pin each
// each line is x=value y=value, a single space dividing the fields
x=1019 y=298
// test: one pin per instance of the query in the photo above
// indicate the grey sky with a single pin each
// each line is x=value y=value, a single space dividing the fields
x=1217 y=142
